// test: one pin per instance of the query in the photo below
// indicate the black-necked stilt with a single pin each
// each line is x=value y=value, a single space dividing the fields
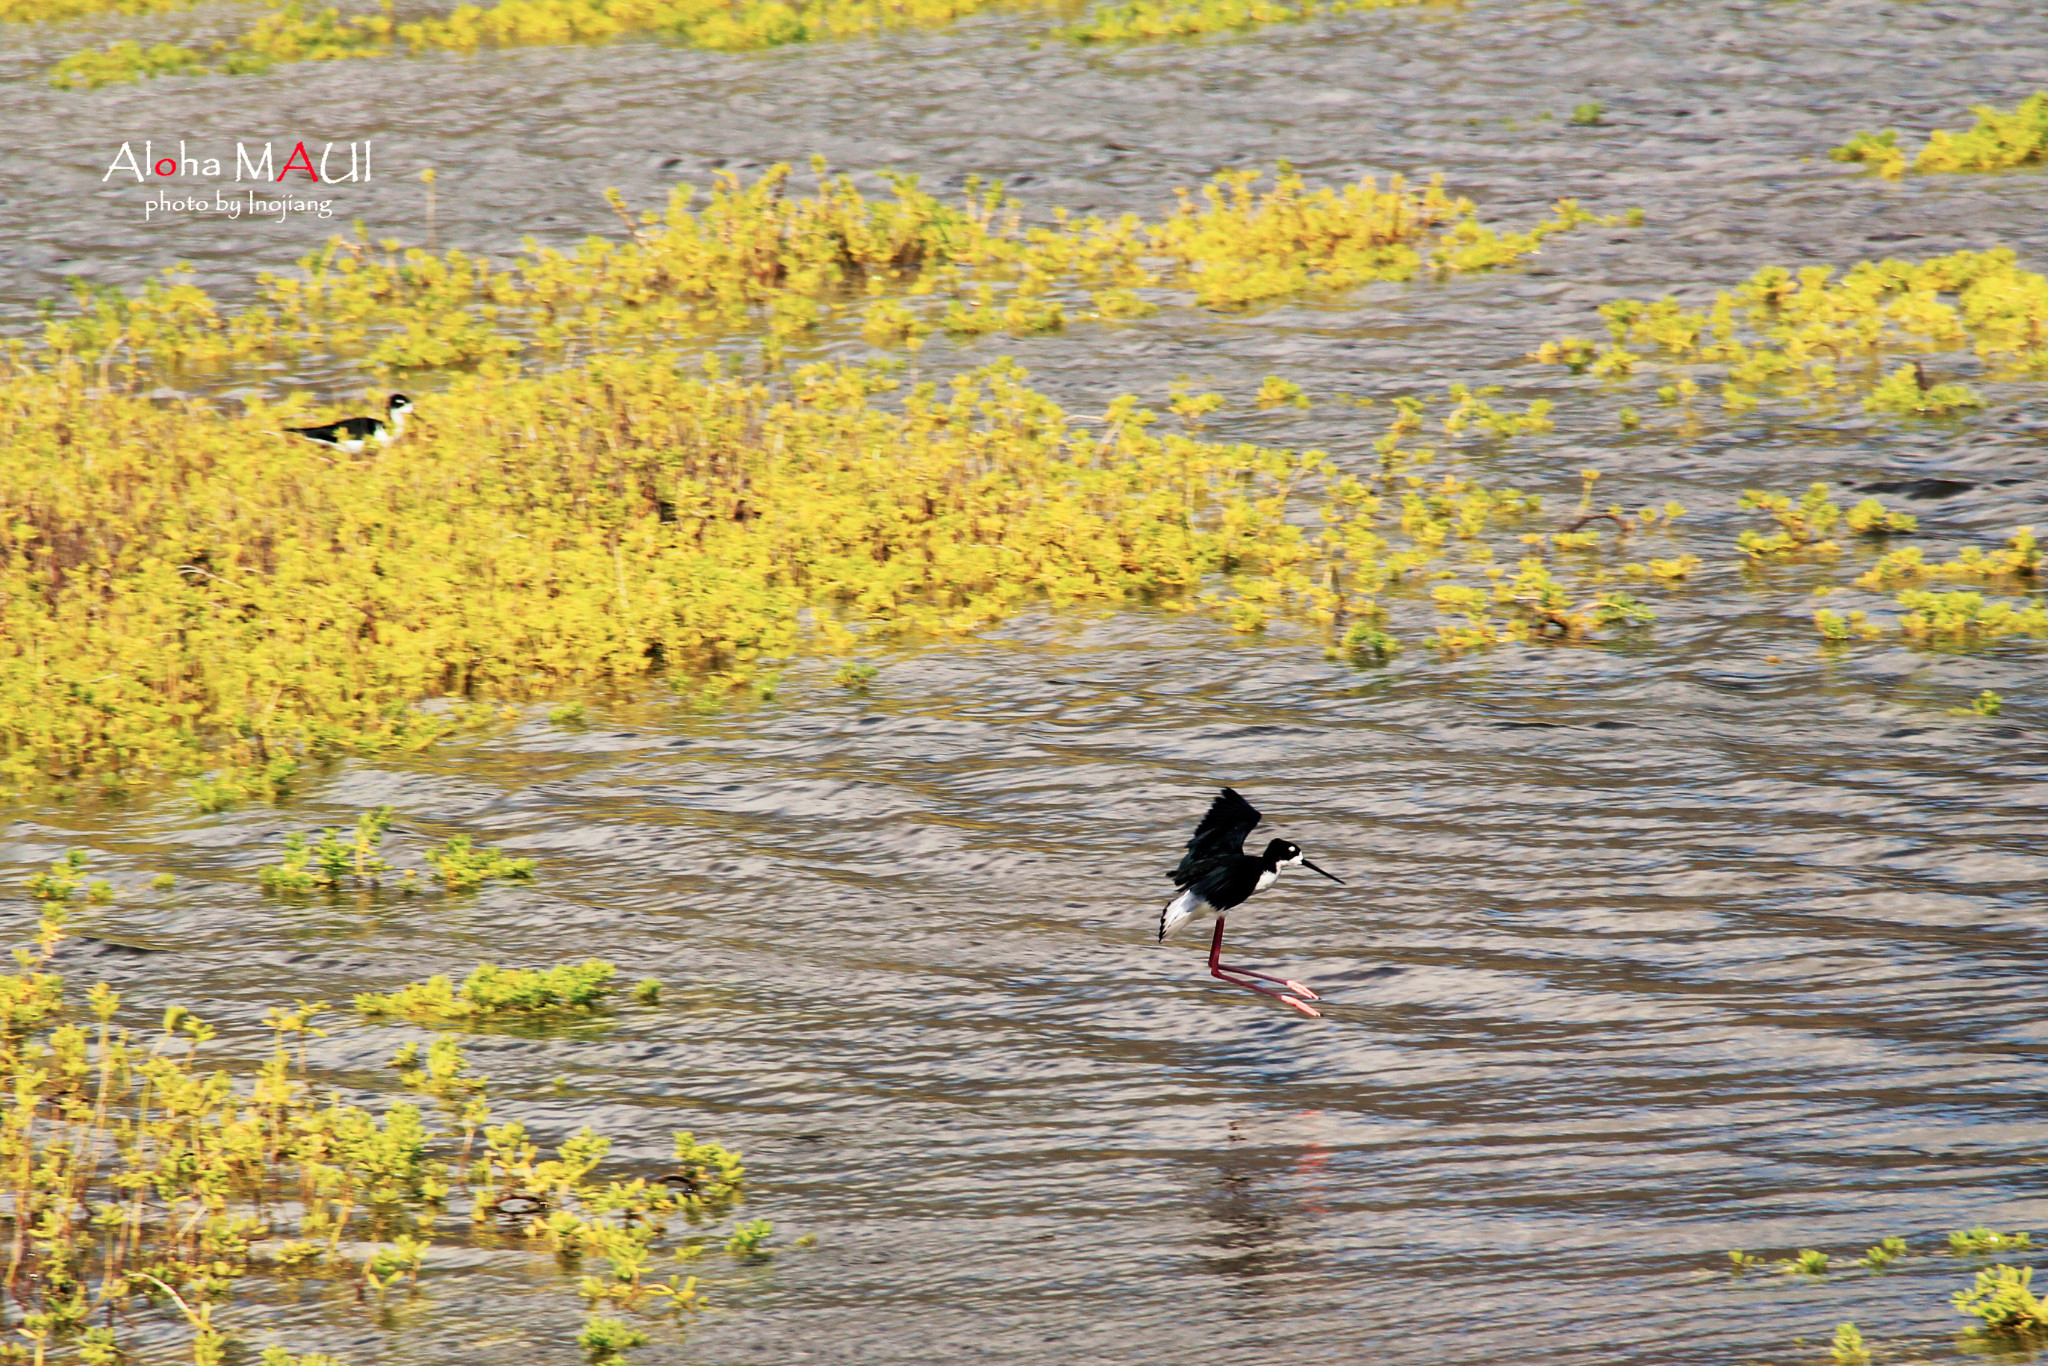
x=353 y=433
x=1216 y=874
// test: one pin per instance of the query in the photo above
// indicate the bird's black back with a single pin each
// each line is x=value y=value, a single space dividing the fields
x=1217 y=849
x=348 y=429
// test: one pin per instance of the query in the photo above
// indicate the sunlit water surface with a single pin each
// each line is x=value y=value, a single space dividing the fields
x=1702 y=940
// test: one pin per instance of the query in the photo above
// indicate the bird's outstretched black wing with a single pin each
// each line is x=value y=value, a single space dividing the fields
x=1219 y=839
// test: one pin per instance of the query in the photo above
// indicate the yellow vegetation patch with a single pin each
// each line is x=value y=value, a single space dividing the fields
x=1948 y=619
x=1239 y=245
x=1963 y=618
x=183 y=587
x=489 y=991
x=1535 y=605
x=2017 y=563
x=155 y=1174
x=1788 y=332
x=53 y=11
x=290 y=35
x=1996 y=142
x=1803 y=527
x=126 y=61
x=760 y=257
x=175 y=579
x=1150 y=20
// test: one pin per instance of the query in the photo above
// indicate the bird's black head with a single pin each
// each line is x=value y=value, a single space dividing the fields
x=398 y=404
x=1287 y=854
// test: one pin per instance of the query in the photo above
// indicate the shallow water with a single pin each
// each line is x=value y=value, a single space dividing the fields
x=1698 y=940
x=1640 y=961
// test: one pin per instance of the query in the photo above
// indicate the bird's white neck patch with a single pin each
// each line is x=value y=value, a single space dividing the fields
x=1267 y=877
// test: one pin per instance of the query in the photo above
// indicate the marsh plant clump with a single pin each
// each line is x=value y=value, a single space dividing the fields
x=148 y=1182
x=291 y=34
x=2016 y=564
x=670 y=526
x=761 y=258
x=1811 y=1261
x=494 y=993
x=1808 y=1261
x=1950 y=619
x=684 y=520
x=463 y=866
x=1907 y=392
x=1964 y=618
x=186 y=589
x=66 y=877
x=1814 y=335
x=1803 y=526
x=2002 y=1300
x=1151 y=20
x=2005 y=1305
x=1986 y=703
x=226 y=788
x=695 y=556
x=1982 y=1242
x=1534 y=604
x=335 y=861
x=605 y=1339
x=57 y=11
x=1998 y=141
x=126 y=60
x=1945 y=620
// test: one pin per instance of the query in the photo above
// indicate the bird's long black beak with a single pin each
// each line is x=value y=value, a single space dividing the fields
x=1325 y=872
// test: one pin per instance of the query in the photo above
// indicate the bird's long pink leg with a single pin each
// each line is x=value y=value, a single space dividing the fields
x=1219 y=967
x=1236 y=977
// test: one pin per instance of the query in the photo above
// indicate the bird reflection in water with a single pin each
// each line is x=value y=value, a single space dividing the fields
x=1262 y=1190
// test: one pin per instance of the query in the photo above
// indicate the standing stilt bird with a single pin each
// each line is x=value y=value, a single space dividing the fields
x=1216 y=874
x=353 y=433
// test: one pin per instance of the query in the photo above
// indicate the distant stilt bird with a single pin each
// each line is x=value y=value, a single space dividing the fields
x=1216 y=874
x=353 y=433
